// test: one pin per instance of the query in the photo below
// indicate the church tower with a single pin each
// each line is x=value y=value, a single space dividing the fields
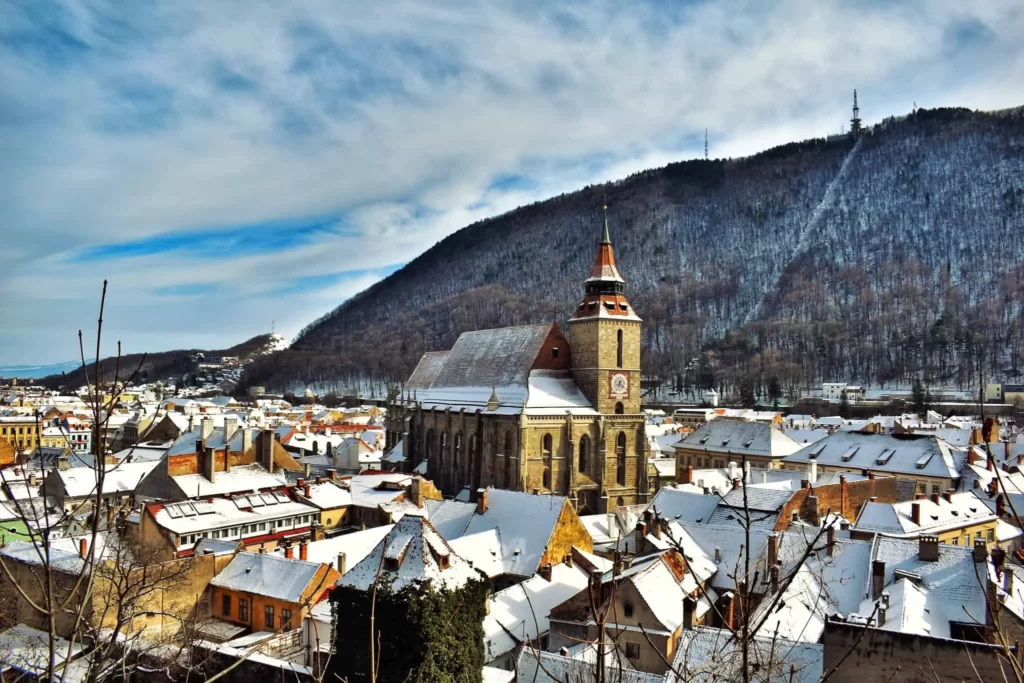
x=604 y=334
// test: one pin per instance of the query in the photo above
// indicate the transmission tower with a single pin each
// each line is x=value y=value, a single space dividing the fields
x=855 y=127
x=705 y=144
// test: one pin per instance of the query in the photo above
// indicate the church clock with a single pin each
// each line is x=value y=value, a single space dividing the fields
x=618 y=385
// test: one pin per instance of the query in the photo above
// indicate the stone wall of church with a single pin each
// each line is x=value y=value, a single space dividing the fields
x=595 y=356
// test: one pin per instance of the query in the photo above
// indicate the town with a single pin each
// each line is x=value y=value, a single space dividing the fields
x=513 y=511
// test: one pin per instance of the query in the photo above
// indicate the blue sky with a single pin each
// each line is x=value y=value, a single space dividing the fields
x=232 y=165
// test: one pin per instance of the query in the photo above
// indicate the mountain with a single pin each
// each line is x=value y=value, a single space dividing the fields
x=164 y=365
x=29 y=371
x=892 y=256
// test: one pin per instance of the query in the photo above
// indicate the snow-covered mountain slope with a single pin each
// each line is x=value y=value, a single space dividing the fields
x=895 y=255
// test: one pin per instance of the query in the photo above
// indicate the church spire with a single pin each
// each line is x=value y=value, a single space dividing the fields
x=606 y=239
x=604 y=269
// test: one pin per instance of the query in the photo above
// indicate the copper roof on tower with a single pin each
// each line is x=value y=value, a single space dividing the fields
x=604 y=265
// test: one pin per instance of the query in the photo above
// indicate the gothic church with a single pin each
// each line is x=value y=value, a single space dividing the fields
x=526 y=408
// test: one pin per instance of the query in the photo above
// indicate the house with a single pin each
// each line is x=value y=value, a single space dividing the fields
x=259 y=520
x=329 y=496
x=955 y=518
x=72 y=487
x=270 y=593
x=927 y=461
x=720 y=441
x=534 y=530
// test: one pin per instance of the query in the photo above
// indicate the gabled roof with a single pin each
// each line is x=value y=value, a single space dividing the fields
x=683 y=506
x=270 y=576
x=426 y=370
x=897 y=518
x=412 y=554
x=492 y=358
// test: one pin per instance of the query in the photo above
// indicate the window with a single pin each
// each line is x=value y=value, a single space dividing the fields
x=956 y=541
x=554 y=352
x=584 y=462
x=547 y=446
x=225 y=605
x=286 y=620
x=618 y=349
x=268 y=616
x=991 y=535
x=633 y=650
x=620 y=459
x=923 y=488
x=243 y=609
x=967 y=540
x=627 y=610
x=619 y=410
x=547 y=478
x=935 y=488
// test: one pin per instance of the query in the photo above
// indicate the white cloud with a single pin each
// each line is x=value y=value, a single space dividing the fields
x=400 y=116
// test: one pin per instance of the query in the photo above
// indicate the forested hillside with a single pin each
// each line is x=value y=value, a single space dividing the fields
x=899 y=255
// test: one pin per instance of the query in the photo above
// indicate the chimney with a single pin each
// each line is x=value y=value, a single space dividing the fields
x=812 y=510
x=545 y=572
x=915 y=513
x=267 y=450
x=998 y=560
x=306 y=490
x=230 y=427
x=989 y=465
x=688 y=610
x=200 y=447
x=289 y=551
x=842 y=494
x=773 y=550
x=972 y=456
x=416 y=492
x=205 y=428
x=687 y=475
x=980 y=550
x=935 y=498
x=735 y=482
x=303 y=550
x=773 y=572
x=830 y=536
x=332 y=474
x=928 y=548
x=246 y=439
x=1006 y=449
x=877 y=578
x=880 y=615
x=208 y=463
x=1000 y=505
x=718 y=555
x=812 y=471
x=342 y=563
x=83 y=546
x=300 y=483
x=948 y=495
x=616 y=563
x=805 y=483
x=655 y=527
x=481 y=501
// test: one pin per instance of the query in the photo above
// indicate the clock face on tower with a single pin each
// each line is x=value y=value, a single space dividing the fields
x=618 y=385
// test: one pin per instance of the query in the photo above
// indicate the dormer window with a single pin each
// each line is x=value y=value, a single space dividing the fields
x=554 y=352
x=392 y=563
x=623 y=307
x=609 y=305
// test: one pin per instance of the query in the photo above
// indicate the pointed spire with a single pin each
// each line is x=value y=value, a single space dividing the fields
x=606 y=238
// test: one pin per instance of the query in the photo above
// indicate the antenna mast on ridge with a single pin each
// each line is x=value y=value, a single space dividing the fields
x=855 y=128
x=705 y=144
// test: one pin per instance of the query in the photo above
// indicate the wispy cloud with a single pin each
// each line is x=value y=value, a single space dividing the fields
x=283 y=156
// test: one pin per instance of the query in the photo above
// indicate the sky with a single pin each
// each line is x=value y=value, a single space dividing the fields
x=233 y=166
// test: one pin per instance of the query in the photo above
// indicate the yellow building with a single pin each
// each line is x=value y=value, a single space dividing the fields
x=21 y=431
x=954 y=518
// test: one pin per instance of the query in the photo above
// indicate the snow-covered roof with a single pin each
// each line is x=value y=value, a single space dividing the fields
x=239 y=479
x=523 y=609
x=708 y=654
x=554 y=392
x=28 y=649
x=356 y=546
x=326 y=495
x=449 y=517
x=525 y=523
x=412 y=554
x=962 y=509
x=734 y=438
x=492 y=358
x=80 y=482
x=482 y=551
x=269 y=576
x=920 y=456
x=223 y=512
x=682 y=506
x=426 y=370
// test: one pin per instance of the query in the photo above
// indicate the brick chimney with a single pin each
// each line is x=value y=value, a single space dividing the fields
x=928 y=548
x=915 y=513
x=1000 y=505
x=481 y=501
x=948 y=495
x=735 y=482
x=266 y=450
x=935 y=498
x=303 y=550
x=842 y=495
x=686 y=475
x=773 y=572
x=306 y=490
x=545 y=571
x=332 y=474
x=830 y=542
x=289 y=551
x=773 y=551
x=83 y=546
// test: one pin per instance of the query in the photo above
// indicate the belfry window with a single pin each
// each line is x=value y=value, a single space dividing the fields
x=618 y=349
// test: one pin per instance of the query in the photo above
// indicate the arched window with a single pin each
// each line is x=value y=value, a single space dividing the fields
x=584 y=464
x=619 y=502
x=509 y=482
x=460 y=462
x=620 y=459
x=618 y=349
x=619 y=409
x=547 y=478
x=546 y=447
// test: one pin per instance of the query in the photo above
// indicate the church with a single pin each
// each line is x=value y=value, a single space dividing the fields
x=529 y=408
